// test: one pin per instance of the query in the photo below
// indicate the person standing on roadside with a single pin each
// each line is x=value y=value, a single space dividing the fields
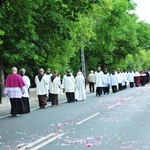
x=99 y=77
x=106 y=82
x=41 y=88
x=131 y=78
x=80 y=93
x=147 y=76
x=54 y=88
x=48 y=75
x=119 y=80
x=91 y=80
x=143 y=78
x=137 y=78
x=25 y=96
x=68 y=84
x=114 y=81
x=14 y=88
x=125 y=74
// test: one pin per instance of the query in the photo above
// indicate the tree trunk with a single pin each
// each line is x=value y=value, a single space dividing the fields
x=1 y=80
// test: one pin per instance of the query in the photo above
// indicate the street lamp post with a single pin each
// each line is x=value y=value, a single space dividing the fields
x=83 y=64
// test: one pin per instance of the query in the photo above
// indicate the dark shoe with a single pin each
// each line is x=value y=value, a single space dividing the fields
x=13 y=115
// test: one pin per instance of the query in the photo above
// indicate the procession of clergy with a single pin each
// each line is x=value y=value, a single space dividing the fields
x=49 y=86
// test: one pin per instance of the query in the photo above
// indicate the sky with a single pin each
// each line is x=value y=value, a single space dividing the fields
x=143 y=10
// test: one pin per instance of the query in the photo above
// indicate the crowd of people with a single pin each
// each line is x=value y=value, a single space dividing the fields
x=49 y=86
x=117 y=80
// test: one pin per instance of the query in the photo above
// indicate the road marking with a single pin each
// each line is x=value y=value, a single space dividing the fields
x=48 y=141
x=31 y=145
x=145 y=90
x=86 y=119
x=129 y=98
x=113 y=105
x=37 y=141
x=138 y=93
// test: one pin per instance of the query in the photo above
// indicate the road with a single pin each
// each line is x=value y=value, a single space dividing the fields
x=118 y=121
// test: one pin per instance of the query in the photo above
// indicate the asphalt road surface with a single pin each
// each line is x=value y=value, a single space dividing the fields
x=117 y=121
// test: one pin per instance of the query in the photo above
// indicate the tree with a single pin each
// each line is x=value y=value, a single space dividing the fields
x=40 y=33
x=115 y=33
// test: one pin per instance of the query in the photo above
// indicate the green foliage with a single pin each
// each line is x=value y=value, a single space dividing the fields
x=41 y=34
x=143 y=35
x=115 y=33
x=138 y=61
